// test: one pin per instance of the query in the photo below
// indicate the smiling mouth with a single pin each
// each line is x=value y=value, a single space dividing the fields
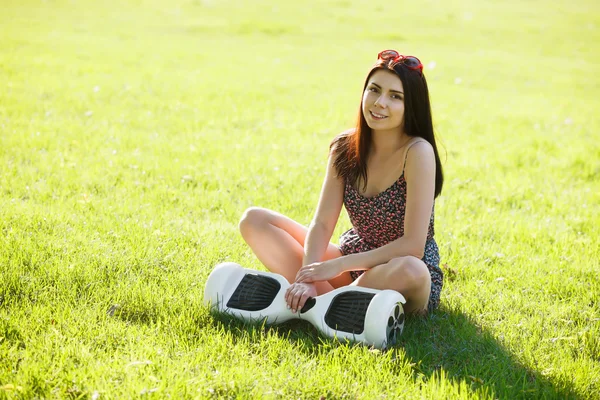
x=377 y=116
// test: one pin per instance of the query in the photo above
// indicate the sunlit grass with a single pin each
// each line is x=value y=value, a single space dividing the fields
x=134 y=134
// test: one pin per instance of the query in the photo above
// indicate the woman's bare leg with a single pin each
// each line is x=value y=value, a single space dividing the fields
x=407 y=275
x=278 y=242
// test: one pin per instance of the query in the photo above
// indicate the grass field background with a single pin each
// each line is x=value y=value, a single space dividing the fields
x=133 y=134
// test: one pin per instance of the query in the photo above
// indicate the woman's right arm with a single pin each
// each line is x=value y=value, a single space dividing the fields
x=326 y=216
x=319 y=233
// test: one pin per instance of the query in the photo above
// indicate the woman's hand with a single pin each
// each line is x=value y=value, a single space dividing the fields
x=321 y=271
x=297 y=294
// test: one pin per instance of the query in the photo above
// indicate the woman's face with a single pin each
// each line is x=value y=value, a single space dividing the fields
x=383 y=101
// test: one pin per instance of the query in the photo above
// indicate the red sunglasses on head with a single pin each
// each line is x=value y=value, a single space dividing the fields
x=410 y=62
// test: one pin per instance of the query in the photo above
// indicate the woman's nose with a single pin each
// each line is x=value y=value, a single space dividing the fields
x=380 y=102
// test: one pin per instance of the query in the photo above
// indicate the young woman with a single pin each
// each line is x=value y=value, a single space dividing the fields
x=387 y=173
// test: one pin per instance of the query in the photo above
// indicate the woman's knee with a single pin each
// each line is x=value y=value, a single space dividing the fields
x=409 y=276
x=253 y=218
x=403 y=274
x=409 y=269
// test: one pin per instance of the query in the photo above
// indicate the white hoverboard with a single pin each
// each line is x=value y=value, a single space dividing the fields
x=373 y=317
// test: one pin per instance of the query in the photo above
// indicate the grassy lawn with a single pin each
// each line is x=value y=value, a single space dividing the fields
x=134 y=133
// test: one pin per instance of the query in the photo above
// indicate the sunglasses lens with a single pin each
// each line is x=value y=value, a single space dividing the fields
x=388 y=54
x=412 y=62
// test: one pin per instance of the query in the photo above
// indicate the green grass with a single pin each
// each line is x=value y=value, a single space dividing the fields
x=134 y=134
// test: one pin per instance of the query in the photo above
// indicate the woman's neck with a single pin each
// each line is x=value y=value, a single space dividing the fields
x=388 y=142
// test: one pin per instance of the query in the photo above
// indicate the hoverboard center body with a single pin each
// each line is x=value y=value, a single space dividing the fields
x=370 y=316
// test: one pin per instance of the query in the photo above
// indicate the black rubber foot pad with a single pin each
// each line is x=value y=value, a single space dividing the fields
x=254 y=293
x=347 y=312
x=310 y=303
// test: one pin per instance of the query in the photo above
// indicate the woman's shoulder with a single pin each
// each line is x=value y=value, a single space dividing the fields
x=418 y=147
x=347 y=132
x=344 y=134
x=419 y=152
x=417 y=142
x=341 y=138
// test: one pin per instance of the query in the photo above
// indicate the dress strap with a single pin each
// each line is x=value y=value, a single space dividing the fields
x=419 y=140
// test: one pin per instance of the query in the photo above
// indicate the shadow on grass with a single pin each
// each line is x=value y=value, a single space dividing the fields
x=451 y=341
x=445 y=340
x=296 y=331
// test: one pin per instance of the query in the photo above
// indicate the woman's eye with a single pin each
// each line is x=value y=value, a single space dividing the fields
x=372 y=89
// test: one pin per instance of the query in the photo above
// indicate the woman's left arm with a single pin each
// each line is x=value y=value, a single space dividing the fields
x=419 y=174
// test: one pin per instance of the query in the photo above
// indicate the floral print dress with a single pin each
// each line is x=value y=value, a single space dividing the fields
x=379 y=220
